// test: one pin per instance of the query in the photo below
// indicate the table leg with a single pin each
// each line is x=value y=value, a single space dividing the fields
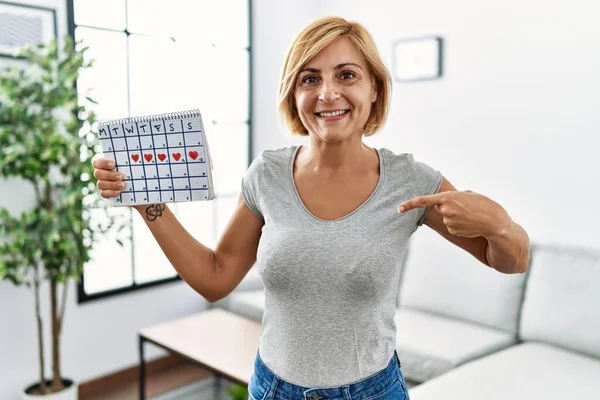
x=142 y=369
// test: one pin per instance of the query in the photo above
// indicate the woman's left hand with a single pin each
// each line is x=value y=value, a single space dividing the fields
x=465 y=213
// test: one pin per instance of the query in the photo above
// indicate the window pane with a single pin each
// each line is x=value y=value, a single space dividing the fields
x=224 y=23
x=215 y=81
x=225 y=206
x=106 y=80
x=103 y=14
x=229 y=85
x=191 y=77
x=150 y=261
x=110 y=266
x=198 y=219
x=191 y=54
x=228 y=144
x=153 y=79
x=167 y=76
x=150 y=17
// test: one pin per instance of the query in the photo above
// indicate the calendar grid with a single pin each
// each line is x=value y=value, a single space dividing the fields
x=168 y=155
x=160 y=166
x=137 y=127
x=113 y=146
x=187 y=166
x=156 y=163
x=130 y=169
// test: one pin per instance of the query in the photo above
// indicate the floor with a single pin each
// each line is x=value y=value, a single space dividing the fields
x=175 y=384
x=205 y=390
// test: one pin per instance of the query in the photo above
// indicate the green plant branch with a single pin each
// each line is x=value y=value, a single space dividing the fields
x=61 y=314
x=40 y=324
x=46 y=140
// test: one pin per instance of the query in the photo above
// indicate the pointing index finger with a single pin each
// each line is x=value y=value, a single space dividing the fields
x=420 y=201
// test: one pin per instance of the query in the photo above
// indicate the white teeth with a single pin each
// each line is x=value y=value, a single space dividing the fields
x=332 y=114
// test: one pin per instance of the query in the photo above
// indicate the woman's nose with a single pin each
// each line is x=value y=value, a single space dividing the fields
x=328 y=92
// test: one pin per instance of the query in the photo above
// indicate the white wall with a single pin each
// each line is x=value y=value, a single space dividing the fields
x=276 y=23
x=515 y=116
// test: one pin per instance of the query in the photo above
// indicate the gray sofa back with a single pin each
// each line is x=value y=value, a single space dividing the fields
x=562 y=299
x=440 y=277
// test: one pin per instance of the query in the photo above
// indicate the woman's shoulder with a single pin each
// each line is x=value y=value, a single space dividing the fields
x=277 y=156
x=404 y=161
x=271 y=160
x=397 y=159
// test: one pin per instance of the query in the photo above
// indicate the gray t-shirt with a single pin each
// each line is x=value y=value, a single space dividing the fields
x=331 y=286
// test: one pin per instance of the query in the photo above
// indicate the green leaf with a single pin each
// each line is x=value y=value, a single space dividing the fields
x=51 y=149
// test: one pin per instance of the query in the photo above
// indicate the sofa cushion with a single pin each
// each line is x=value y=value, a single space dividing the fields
x=523 y=372
x=252 y=281
x=429 y=345
x=562 y=299
x=250 y=304
x=441 y=277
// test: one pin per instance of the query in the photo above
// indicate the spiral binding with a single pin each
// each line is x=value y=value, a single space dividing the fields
x=147 y=118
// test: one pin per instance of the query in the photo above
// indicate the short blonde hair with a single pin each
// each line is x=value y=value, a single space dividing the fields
x=311 y=41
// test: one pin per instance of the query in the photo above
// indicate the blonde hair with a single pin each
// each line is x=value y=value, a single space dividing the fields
x=311 y=41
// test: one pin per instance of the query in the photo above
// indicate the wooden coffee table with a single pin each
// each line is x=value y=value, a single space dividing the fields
x=217 y=340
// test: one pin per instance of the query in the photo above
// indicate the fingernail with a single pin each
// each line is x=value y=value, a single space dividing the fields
x=120 y=177
x=400 y=209
x=122 y=185
x=111 y=164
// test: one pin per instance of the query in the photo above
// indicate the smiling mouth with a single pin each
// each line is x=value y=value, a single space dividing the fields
x=332 y=114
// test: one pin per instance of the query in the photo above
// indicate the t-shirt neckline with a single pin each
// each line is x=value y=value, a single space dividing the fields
x=356 y=213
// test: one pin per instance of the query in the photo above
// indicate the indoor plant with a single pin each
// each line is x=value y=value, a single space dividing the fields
x=46 y=140
x=238 y=392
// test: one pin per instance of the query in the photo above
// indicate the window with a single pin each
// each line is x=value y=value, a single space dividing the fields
x=158 y=57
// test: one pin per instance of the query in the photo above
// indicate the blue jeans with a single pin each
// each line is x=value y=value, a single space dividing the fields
x=387 y=384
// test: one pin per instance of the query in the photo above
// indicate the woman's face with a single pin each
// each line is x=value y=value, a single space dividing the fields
x=334 y=92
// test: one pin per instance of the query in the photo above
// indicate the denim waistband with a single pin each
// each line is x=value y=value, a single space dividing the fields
x=267 y=385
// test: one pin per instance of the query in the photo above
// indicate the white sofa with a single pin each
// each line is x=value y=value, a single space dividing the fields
x=468 y=332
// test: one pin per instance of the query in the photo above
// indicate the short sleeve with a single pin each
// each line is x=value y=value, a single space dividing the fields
x=427 y=180
x=251 y=185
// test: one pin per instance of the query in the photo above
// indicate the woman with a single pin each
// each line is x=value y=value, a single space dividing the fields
x=328 y=226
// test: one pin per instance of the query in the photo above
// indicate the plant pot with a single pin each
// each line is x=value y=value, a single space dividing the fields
x=70 y=392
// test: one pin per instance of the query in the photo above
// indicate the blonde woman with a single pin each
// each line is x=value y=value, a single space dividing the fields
x=328 y=224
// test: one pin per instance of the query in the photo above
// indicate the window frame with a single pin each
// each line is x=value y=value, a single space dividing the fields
x=83 y=297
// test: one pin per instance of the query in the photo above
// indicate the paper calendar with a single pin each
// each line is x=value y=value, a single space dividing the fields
x=164 y=158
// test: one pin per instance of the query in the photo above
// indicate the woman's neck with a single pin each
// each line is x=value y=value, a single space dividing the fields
x=334 y=158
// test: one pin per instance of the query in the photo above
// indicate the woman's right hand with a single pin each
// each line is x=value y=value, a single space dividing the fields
x=110 y=182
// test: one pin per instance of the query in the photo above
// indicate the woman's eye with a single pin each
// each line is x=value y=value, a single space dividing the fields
x=348 y=75
x=309 y=79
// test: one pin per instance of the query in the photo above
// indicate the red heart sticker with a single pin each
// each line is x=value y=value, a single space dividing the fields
x=176 y=156
x=135 y=157
x=162 y=157
x=193 y=154
x=148 y=157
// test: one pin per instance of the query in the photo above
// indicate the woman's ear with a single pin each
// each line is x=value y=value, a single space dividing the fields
x=375 y=91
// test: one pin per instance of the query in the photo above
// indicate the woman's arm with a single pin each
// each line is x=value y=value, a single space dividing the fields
x=213 y=274
x=476 y=224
